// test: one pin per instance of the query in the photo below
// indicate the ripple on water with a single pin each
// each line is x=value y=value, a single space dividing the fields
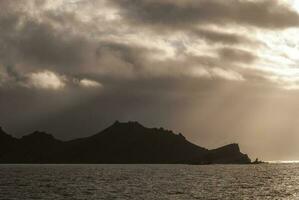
x=49 y=182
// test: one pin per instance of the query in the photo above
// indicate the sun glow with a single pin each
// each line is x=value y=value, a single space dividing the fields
x=295 y=4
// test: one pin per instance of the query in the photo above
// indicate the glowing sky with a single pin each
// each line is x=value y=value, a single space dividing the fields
x=219 y=71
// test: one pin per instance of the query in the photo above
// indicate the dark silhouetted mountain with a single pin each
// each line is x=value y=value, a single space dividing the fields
x=120 y=143
x=7 y=142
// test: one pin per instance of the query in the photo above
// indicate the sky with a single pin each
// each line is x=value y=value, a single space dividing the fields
x=218 y=71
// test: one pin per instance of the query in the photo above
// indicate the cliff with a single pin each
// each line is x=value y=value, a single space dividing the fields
x=120 y=143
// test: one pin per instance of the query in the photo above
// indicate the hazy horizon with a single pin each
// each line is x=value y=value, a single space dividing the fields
x=217 y=71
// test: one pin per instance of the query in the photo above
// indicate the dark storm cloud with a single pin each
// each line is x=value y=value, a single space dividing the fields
x=38 y=44
x=268 y=14
x=60 y=48
x=56 y=41
x=133 y=56
x=31 y=44
x=52 y=41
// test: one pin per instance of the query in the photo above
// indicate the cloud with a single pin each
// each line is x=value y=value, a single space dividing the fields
x=200 y=72
x=45 y=80
x=90 y=83
x=80 y=43
x=284 y=82
x=177 y=14
x=236 y=55
x=227 y=74
x=4 y=76
x=216 y=73
x=213 y=36
x=40 y=44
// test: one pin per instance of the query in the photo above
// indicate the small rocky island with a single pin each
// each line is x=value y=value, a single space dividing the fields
x=121 y=143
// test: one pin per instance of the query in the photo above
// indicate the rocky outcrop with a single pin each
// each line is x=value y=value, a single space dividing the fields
x=229 y=154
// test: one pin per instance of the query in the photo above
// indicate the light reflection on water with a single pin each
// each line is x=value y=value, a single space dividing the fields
x=283 y=161
x=266 y=181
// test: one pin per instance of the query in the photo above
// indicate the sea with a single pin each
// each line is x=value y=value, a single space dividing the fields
x=142 y=182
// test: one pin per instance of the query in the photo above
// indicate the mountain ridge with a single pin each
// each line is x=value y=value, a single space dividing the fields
x=122 y=142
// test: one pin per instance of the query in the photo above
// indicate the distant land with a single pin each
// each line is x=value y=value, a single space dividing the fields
x=121 y=143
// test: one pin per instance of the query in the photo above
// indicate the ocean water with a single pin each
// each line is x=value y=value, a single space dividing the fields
x=54 y=182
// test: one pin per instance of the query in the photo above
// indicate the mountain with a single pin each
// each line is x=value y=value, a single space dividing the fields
x=128 y=142
x=6 y=143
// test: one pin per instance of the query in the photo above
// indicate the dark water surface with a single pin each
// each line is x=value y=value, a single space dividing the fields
x=53 y=182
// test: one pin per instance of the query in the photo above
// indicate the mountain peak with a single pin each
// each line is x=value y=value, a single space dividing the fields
x=233 y=146
x=126 y=125
x=39 y=136
x=132 y=123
